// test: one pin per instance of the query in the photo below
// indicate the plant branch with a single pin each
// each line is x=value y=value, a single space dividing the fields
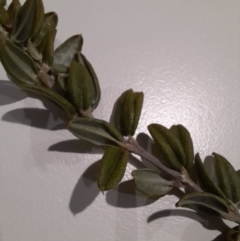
x=182 y=177
x=189 y=183
x=134 y=147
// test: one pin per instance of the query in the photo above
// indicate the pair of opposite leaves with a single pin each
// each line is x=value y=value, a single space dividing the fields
x=30 y=23
x=83 y=88
x=7 y=15
x=221 y=192
x=125 y=120
x=221 y=186
x=24 y=21
x=21 y=69
x=103 y=134
x=176 y=149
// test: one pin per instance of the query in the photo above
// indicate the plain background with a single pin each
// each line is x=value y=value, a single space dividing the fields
x=185 y=56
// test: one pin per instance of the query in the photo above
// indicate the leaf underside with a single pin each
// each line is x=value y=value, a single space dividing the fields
x=18 y=64
x=151 y=183
x=96 y=131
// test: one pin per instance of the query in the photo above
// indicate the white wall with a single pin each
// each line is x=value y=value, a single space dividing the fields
x=185 y=56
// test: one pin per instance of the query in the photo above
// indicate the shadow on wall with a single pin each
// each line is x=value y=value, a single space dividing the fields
x=220 y=237
x=76 y=146
x=208 y=221
x=10 y=93
x=125 y=195
x=85 y=191
x=51 y=118
x=34 y=117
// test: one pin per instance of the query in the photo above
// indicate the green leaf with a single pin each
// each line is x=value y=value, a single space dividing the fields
x=167 y=144
x=151 y=183
x=209 y=166
x=185 y=139
x=53 y=96
x=28 y=21
x=23 y=22
x=118 y=113
x=172 y=141
x=17 y=64
x=206 y=182
x=138 y=103
x=112 y=167
x=80 y=86
x=49 y=24
x=4 y=17
x=47 y=47
x=33 y=51
x=65 y=52
x=128 y=112
x=227 y=178
x=13 y=8
x=97 y=91
x=238 y=175
x=3 y=3
x=38 y=18
x=96 y=131
x=207 y=200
